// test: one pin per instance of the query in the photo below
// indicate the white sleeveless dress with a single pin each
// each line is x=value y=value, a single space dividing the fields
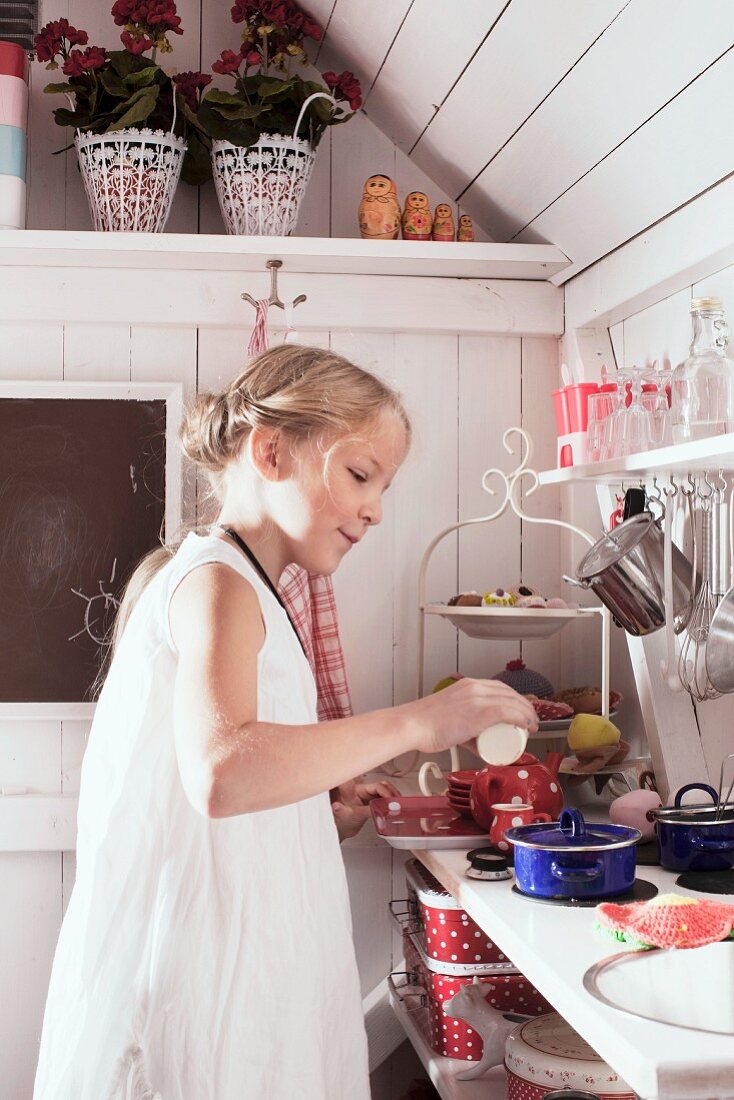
x=199 y=959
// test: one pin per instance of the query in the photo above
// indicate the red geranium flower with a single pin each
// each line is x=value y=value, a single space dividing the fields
x=190 y=85
x=345 y=86
x=229 y=62
x=158 y=14
x=243 y=10
x=136 y=44
x=50 y=39
x=78 y=63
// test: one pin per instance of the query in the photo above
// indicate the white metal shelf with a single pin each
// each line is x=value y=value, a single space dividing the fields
x=696 y=457
x=443 y=1071
x=329 y=255
x=509 y=623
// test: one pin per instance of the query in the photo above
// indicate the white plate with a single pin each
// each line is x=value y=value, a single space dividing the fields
x=509 y=623
x=630 y=762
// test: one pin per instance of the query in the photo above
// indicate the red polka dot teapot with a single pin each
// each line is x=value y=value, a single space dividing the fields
x=527 y=780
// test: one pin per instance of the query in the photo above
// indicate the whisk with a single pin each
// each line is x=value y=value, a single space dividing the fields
x=692 y=661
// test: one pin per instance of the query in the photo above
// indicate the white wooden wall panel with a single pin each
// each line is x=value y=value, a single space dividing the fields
x=490 y=400
x=653 y=172
x=597 y=106
x=518 y=65
x=364 y=35
x=402 y=117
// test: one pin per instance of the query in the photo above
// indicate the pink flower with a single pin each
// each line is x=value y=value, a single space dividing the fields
x=78 y=63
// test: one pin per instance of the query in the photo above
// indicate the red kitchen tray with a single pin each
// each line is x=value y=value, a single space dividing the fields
x=418 y=822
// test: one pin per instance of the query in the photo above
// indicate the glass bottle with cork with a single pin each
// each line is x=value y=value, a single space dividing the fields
x=702 y=388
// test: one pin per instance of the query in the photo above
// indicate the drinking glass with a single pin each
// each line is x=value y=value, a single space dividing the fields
x=600 y=410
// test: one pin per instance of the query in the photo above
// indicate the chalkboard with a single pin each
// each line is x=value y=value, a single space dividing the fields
x=83 y=491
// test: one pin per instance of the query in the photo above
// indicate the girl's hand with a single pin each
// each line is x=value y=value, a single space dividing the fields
x=458 y=713
x=350 y=804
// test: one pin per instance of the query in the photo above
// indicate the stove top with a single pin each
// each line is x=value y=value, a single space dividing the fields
x=708 y=882
x=642 y=890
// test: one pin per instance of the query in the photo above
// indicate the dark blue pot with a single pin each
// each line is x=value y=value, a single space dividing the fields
x=691 y=838
x=568 y=859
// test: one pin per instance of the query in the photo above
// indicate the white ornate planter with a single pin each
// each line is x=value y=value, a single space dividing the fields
x=260 y=188
x=130 y=177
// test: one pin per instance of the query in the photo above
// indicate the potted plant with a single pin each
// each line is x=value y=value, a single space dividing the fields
x=135 y=125
x=265 y=133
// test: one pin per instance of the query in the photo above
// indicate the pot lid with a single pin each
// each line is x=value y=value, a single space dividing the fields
x=548 y=1050
x=614 y=545
x=571 y=834
x=695 y=815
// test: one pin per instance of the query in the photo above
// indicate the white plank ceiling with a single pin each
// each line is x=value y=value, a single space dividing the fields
x=576 y=122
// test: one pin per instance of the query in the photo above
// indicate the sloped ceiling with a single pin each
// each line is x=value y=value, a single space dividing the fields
x=574 y=122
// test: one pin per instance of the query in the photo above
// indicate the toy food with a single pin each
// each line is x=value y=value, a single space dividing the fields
x=524 y=680
x=447 y=682
x=549 y=711
x=669 y=920
x=586 y=700
x=591 y=731
x=632 y=809
x=499 y=598
x=466 y=599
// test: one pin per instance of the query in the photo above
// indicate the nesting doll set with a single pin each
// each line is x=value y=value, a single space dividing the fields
x=380 y=217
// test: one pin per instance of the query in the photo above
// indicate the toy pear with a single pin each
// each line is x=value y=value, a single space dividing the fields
x=443 y=223
x=417 y=218
x=379 y=210
x=466 y=229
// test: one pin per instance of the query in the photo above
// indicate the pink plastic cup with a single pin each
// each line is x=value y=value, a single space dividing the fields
x=577 y=397
x=560 y=405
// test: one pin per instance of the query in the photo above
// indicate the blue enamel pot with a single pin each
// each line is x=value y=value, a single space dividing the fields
x=570 y=859
x=696 y=838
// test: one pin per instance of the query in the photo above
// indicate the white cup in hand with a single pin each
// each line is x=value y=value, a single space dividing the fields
x=502 y=744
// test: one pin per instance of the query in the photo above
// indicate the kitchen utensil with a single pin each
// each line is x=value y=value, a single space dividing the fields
x=502 y=744
x=487 y=865
x=508 y=815
x=544 y=1054
x=720 y=646
x=692 y=660
x=695 y=837
x=527 y=781
x=625 y=569
x=446 y=929
x=567 y=859
x=669 y=666
x=416 y=822
x=719 y=804
x=577 y=396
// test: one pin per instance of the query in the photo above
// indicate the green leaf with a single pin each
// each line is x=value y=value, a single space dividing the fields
x=143 y=77
x=139 y=107
x=64 y=117
x=220 y=97
x=184 y=109
x=197 y=165
x=123 y=63
x=238 y=131
x=241 y=111
x=276 y=88
x=58 y=89
x=112 y=83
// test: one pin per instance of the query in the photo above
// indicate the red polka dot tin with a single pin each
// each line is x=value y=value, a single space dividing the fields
x=455 y=1038
x=451 y=936
x=546 y=1054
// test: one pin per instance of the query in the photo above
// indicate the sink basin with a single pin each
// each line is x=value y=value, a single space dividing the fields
x=691 y=988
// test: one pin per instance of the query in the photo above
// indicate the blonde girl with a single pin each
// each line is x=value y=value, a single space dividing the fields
x=206 y=953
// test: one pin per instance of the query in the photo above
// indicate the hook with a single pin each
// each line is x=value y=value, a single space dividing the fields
x=672 y=490
x=274 y=300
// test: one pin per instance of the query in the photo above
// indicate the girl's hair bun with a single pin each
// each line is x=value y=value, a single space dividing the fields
x=204 y=431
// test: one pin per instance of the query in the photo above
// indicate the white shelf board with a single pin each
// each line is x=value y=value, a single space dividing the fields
x=330 y=255
x=716 y=452
x=509 y=623
x=554 y=946
x=38 y=822
x=443 y=1071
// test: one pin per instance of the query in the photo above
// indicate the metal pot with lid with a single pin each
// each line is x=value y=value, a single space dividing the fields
x=625 y=570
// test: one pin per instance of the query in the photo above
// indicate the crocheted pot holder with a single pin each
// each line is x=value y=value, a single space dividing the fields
x=669 y=920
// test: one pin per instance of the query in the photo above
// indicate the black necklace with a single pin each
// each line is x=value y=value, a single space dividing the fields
x=263 y=576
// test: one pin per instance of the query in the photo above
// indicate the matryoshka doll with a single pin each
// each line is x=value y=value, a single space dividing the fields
x=417 y=220
x=379 y=210
x=466 y=229
x=443 y=223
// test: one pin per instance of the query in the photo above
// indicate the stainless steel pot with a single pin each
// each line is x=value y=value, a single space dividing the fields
x=625 y=570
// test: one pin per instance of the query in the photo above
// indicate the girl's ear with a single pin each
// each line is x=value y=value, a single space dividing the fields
x=265 y=451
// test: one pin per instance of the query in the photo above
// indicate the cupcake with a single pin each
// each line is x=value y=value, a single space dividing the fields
x=524 y=680
x=500 y=597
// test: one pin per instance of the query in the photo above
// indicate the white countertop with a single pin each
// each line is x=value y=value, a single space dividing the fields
x=554 y=946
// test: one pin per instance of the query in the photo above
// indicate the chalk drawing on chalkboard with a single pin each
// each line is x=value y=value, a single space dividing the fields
x=98 y=617
x=91 y=479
